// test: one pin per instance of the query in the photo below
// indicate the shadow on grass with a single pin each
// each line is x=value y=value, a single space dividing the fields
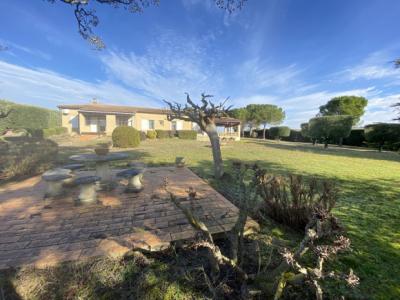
x=156 y=276
x=361 y=153
x=368 y=209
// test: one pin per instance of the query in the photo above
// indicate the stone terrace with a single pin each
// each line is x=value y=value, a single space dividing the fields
x=42 y=233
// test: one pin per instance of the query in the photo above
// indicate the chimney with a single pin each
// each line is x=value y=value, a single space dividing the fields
x=94 y=101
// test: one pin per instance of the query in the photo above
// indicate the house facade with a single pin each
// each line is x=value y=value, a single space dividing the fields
x=103 y=119
x=95 y=118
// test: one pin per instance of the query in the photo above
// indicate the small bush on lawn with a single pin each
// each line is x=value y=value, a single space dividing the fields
x=292 y=201
x=143 y=136
x=164 y=134
x=151 y=134
x=279 y=131
x=125 y=137
x=26 y=156
x=187 y=134
x=46 y=132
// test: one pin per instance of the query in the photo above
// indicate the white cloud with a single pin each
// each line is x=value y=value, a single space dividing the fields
x=259 y=75
x=378 y=65
x=46 y=88
x=167 y=69
x=12 y=48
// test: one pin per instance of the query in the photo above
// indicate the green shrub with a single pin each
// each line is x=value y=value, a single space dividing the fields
x=143 y=136
x=295 y=136
x=187 y=134
x=26 y=156
x=164 y=134
x=356 y=138
x=330 y=128
x=46 y=132
x=125 y=137
x=279 y=131
x=151 y=134
x=383 y=135
x=32 y=117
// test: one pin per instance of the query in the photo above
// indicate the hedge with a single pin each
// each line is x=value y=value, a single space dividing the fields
x=296 y=136
x=151 y=134
x=125 y=137
x=187 y=134
x=356 y=138
x=25 y=156
x=279 y=131
x=164 y=134
x=383 y=135
x=143 y=136
x=47 y=132
x=28 y=117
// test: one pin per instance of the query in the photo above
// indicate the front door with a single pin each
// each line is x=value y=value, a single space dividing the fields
x=93 y=124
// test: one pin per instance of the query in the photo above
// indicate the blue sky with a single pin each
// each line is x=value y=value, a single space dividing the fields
x=297 y=54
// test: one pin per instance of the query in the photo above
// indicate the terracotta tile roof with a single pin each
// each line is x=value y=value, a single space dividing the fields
x=226 y=121
x=104 y=108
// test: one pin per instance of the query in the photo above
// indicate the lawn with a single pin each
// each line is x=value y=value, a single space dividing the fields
x=369 y=203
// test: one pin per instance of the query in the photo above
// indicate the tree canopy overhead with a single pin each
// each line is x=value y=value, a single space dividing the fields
x=87 y=18
x=345 y=105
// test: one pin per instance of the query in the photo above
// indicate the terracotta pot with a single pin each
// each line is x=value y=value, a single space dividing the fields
x=180 y=162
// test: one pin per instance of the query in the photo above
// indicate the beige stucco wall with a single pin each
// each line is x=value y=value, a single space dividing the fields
x=111 y=123
x=68 y=119
x=160 y=121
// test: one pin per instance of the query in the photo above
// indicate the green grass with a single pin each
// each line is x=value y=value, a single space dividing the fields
x=369 y=204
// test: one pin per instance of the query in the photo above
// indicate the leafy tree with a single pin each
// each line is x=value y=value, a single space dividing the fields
x=383 y=134
x=87 y=19
x=204 y=116
x=304 y=130
x=240 y=114
x=345 y=105
x=330 y=127
x=279 y=131
x=253 y=119
x=263 y=114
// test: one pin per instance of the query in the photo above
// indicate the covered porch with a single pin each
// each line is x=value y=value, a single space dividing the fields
x=228 y=130
x=102 y=123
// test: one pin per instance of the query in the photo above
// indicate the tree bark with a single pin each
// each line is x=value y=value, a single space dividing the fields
x=340 y=142
x=212 y=133
x=264 y=132
x=326 y=144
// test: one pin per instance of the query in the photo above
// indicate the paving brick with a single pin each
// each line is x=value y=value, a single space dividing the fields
x=44 y=233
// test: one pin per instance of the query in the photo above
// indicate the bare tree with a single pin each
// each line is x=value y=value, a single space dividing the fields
x=87 y=19
x=204 y=116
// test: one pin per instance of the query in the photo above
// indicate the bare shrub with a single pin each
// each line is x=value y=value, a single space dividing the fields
x=291 y=200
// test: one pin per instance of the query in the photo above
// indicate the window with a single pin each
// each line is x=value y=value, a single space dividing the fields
x=151 y=124
x=173 y=125
x=123 y=121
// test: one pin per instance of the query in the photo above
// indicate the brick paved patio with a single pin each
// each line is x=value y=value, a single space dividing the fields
x=42 y=233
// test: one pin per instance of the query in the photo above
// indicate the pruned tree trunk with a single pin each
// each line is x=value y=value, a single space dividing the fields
x=212 y=133
x=326 y=144
x=340 y=142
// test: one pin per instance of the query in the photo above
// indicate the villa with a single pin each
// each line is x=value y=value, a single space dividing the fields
x=95 y=118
